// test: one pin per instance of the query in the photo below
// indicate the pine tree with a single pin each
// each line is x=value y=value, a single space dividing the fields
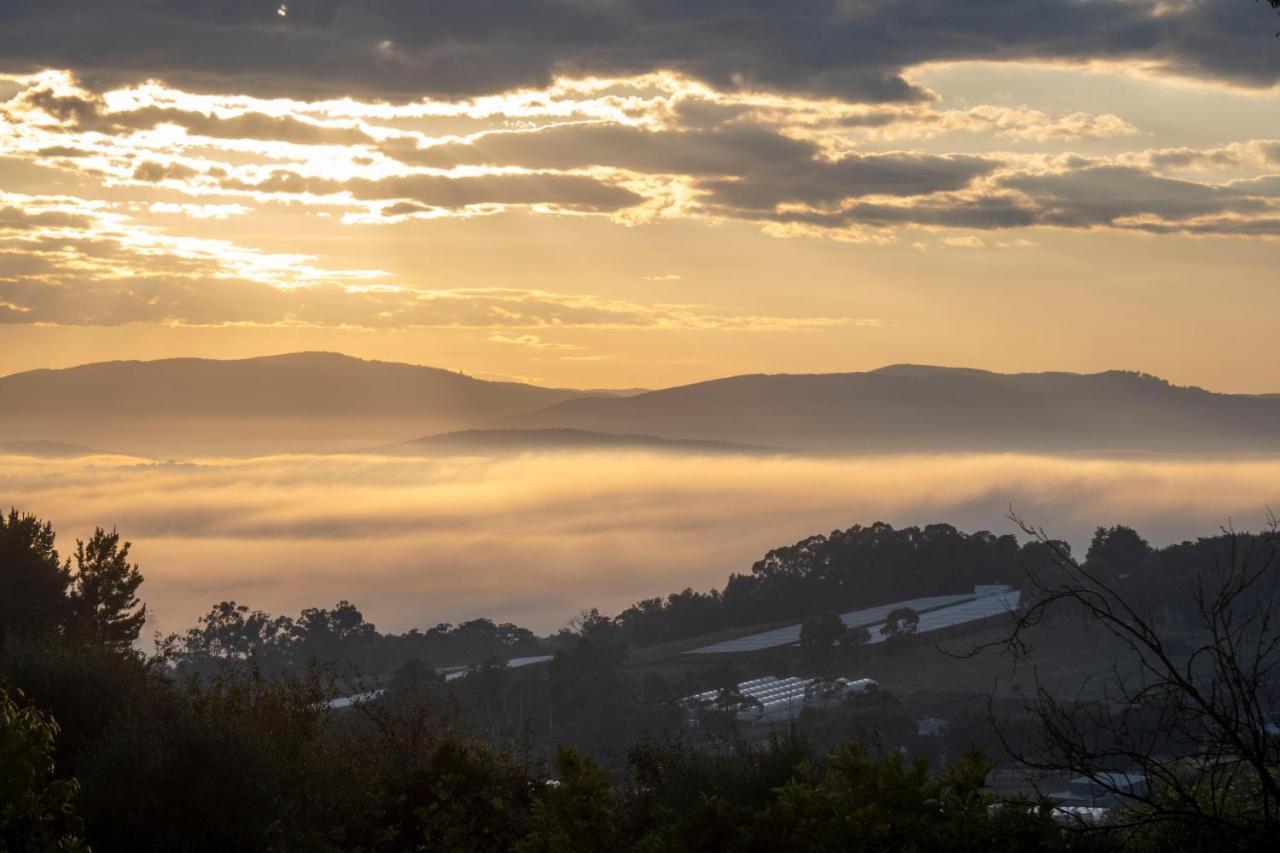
x=104 y=600
x=33 y=581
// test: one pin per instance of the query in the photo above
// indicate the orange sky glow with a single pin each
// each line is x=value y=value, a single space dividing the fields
x=651 y=229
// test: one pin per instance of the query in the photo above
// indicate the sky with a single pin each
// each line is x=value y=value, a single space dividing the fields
x=642 y=193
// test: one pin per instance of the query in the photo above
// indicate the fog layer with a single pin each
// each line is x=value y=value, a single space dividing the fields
x=536 y=538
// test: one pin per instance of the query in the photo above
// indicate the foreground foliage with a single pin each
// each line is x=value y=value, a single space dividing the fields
x=219 y=746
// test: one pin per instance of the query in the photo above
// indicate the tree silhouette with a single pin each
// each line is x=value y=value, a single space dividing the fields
x=900 y=623
x=854 y=638
x=1117 y=550
x=228 y=634
x=36 y=810
x=576 y=815
x=33 y=581
x=1198 y=724
x=818 y=636
x=104 y=592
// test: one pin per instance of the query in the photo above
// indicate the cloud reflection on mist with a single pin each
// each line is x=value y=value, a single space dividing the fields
x=535 y=538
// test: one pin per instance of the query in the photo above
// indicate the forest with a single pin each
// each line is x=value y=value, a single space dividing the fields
x=224 y=737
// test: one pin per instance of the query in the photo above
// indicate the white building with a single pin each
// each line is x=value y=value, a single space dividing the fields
x=776 y=700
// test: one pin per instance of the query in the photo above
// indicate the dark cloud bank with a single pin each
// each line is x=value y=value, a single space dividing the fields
x=852 y=49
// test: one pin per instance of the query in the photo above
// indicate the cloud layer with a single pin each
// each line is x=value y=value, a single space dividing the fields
x=634 y=150
x=157 y=120
x=68 y=261
x=852 y=49
x=536 y=538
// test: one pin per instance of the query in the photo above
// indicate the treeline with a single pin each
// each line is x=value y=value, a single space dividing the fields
x=875 y=564
x=102 y=748
x=844 y=570
x=106 y=749
x=823 y=574
x=138 y=763
x=340 y=639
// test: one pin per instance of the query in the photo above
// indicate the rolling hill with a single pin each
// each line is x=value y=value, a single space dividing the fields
x=37 y=449
x=486 y=442
x=326 y=402
x=287 y=403
x=909 y=408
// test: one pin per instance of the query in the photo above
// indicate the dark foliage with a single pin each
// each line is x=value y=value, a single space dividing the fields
x=37 y=810
x=1192 y=701
x=104 y=593
x=820 y=637
x=845 y=570
x=33 y=581
x=339 y=639
x=228 y=741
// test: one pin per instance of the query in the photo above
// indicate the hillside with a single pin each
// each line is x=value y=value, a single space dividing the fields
x=325 y=402
x=285 y=403
x=506 y=441
x=908 y=408
x=49 y=450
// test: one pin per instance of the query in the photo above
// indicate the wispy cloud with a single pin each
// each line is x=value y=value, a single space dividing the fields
x=651 y=148
x=72 y=261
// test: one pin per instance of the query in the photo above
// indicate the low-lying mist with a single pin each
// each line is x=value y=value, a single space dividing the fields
x=536 y=538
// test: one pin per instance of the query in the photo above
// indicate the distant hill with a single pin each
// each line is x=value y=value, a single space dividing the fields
x=932 y=409
x=300 y=402
x=325 y=402
x=50 y=449
x=504 y=441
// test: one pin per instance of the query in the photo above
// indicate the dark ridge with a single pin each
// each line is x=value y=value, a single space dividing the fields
x=520 y=440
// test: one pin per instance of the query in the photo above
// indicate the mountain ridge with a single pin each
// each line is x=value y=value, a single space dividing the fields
x=480 y=441
x=320 y=401
x=926 y=408
x=313 y=401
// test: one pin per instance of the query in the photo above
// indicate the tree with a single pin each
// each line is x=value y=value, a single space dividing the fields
x=39 y=594
x=593 y=700
x=1117 y=550
x=413 y=675
x=240 y=762
x=867 y=565
x=594 y=626
x=104 y=599
x=860 y=800
x=818 y=636
x=1191 y=711
x=340 y=638
x=229 y=633
x=901 y=622
x=36 y=810
x=577 y=813
x=33 y=581
x=438 y=789
x=853 y=640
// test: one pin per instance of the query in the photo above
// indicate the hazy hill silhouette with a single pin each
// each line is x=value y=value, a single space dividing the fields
x=296 y=402
x=920 y=408
x=50 y=449
x=326 y=402
x=505 y=441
